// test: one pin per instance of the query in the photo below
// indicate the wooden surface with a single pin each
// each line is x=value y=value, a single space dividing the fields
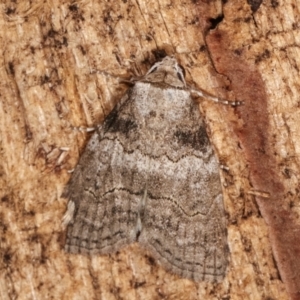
x=61 y=67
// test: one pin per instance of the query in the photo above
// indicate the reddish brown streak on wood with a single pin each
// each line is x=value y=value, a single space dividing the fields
x=257 y=145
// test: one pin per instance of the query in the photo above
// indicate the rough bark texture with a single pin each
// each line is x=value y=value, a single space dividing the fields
x=61 y=66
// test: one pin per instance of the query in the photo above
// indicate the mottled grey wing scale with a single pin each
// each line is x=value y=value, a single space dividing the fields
x=105 y=187
x=149 y=174
x=183 y=219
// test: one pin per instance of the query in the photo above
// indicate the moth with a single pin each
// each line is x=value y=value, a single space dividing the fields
x=149 y=174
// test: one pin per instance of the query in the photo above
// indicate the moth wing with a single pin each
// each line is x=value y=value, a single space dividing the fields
x=105 y=189
x=183 y=222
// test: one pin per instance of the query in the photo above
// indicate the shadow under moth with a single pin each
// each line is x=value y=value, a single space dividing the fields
x=149 y=174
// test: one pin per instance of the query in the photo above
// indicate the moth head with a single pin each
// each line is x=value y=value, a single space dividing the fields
x=167 y=71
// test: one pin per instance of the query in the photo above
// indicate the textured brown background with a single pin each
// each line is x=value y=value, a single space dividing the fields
x=61 y=66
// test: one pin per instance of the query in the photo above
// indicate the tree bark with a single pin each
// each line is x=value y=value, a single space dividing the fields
x=61 y=68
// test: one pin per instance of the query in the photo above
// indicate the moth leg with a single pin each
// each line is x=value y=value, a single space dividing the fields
x=216 y=99
x=258 y=193
x=224 y=168
x=83 y=128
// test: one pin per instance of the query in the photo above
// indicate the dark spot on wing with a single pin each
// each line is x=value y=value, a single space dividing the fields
x=198 y=139
x=124 y=126
x=114 y=123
